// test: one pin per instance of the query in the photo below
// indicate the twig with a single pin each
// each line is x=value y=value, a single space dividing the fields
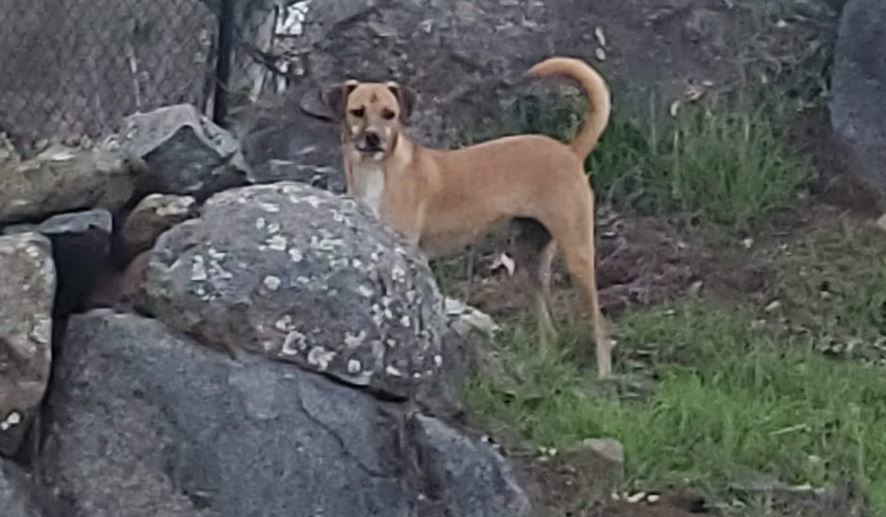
x=133 y=67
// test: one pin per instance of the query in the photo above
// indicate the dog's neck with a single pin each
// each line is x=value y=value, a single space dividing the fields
x=369 y=182
x=371 y=172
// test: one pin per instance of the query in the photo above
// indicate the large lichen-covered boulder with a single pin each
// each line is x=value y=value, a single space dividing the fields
x=295 y=273
x=145 y=422
x=27 y=287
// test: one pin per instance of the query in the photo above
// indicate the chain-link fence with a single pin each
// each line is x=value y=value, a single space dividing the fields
x=77 y=67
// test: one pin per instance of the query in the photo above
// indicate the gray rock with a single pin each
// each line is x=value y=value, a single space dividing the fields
x=858 y=105
x=77 y=223
x=151 y=217
x=118 y=287
x=319 y=176
x=27 y=279
x=81 y=247
x=142 y=423
x=73 y=222
x=467 y=350
x=296 y=273
x=9 y=156
x=295 y=147
x=185 y=152
x=471 y=478
x=464 y=319
x=465 y=58
x=63 y=179
x=19 y=497
x=603 y=463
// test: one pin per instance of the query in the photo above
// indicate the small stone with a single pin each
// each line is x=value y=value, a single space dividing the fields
x=13 y=419
x=608 y=448
x=636 y=498
x=601 y=38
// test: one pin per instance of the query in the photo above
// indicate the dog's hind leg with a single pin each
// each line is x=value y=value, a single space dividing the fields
x=543 y=293
x=574 y=234
x=534 y=251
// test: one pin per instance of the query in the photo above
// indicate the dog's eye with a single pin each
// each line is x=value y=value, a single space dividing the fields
x=388 y=114
x=358 y=112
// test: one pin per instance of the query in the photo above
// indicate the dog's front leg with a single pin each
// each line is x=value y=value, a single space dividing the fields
x=411 y=224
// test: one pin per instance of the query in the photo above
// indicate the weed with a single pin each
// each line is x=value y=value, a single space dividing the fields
x=832 y=286
x=730 y=167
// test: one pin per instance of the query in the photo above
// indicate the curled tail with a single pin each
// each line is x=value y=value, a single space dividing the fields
x=598 y=94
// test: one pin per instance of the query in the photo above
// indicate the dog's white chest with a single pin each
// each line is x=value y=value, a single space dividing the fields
x=370 y=182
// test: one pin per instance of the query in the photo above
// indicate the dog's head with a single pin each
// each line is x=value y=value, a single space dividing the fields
x=372 y=114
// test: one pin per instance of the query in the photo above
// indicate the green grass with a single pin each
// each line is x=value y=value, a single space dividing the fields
x=730 y=402
x=730 y=390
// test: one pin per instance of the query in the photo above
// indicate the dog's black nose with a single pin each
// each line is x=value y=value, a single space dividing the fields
x=372 y=140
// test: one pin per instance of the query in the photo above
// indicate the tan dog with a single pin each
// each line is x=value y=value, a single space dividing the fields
x=444 y=199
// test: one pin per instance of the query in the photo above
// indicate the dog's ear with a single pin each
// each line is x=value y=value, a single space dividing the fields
x=336 y=97
x=406 y=99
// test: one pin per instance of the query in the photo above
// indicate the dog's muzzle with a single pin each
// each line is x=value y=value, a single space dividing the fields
x=370 y=143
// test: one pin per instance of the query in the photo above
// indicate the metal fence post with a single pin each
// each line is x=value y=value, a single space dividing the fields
x=223 y=63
